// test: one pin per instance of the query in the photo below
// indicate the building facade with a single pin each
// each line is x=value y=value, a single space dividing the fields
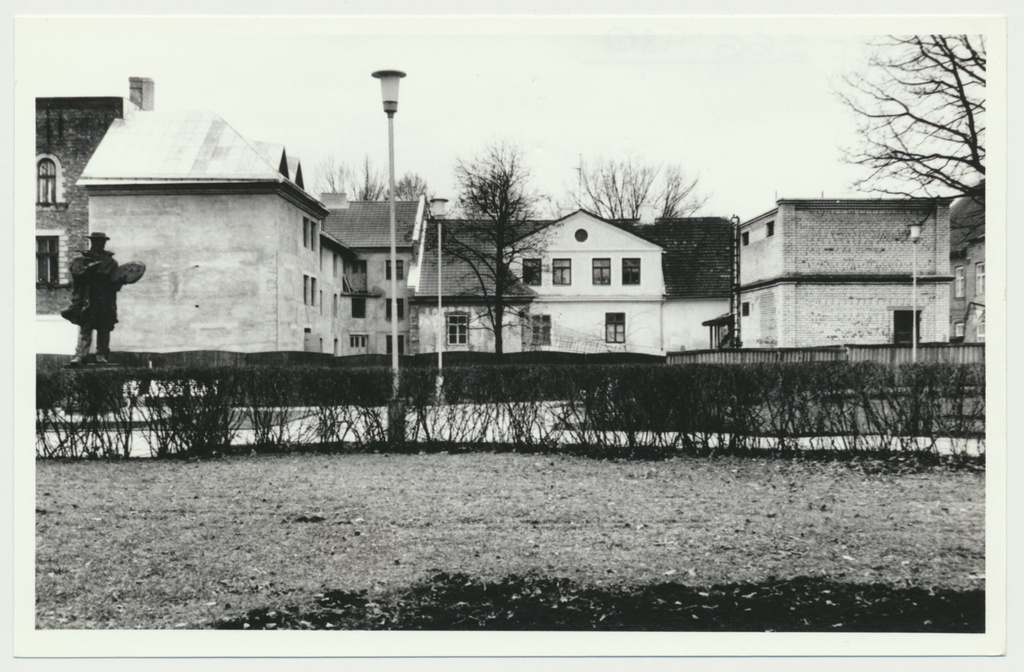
x=590 y=285
x=236 y=256
x=967 y=266
x=835 y=272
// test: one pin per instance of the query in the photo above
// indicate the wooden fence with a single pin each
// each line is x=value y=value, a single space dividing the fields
x=930 y=353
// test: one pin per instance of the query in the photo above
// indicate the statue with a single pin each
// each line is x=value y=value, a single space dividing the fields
x=95 y=281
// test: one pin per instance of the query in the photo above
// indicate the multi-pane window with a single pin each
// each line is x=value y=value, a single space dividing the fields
x=615 y=327
x=561 y=271
x=979 y=279
x=531 y=272
x=358 y=308
x=458 y=329
x=981 y=325
x=47 y=260
x=631 y=271
x=47 y=183
x=357 y=341
x=958 y=329
x=540 y=328
x=401 y=309
x=399 y=264
x=401 y=345
x=959 y=282
x=602 y=271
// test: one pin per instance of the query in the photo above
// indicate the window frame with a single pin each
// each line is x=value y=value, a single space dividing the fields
x=615 y=328
x=399 y=265
x=959 y=282
x=457 y=325
x=50 y=179
x=561 y=268
x=601 y=275
x=979 y=279
x=358 y=301
x=358 y=341
x=52 y=256
x=533 y=275
x=627 y=272
x=540 y=324
x=401 y=344
x=387 y=308
x=769 y=229
x=959 y=329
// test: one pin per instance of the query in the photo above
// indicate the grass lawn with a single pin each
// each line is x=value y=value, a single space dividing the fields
x=164 y=544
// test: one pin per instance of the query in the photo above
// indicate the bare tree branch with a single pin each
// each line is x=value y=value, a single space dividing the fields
x=364 y=183
x=618 y=189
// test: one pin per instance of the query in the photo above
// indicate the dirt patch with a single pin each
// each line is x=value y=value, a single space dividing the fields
x=533 y=602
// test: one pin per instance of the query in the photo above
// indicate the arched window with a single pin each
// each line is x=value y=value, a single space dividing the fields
x=46 y=182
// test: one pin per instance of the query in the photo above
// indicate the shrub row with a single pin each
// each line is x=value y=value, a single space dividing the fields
x=603 y=409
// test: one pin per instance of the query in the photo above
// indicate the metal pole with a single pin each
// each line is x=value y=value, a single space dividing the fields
x=913 y=316
x=394 y=265
x=440 y=318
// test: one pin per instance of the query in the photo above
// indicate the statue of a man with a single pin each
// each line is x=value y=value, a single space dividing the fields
x=95 y=281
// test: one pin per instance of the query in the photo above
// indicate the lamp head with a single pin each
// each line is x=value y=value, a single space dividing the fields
x=389 y=88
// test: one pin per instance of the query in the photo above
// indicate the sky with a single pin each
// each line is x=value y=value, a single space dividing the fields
x=749 y=108
x=754 y=117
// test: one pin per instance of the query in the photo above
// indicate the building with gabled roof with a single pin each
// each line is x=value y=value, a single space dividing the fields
x=967 y=265
x=364 y=229
x=236 y=256
x=593 y=285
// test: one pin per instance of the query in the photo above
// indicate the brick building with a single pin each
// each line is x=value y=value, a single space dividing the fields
x=967 y=265
x=834 y=272
x=68 y=131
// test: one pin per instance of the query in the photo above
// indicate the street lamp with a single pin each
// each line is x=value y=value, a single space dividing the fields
x=915 y=237
x=389 y=93
x=437 y=211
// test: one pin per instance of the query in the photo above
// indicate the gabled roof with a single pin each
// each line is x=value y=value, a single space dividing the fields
x=697 y=259
x=185 y=146
x=368 y=223
x=458 y=278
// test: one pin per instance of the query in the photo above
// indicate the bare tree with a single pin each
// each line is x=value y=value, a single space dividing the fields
x=618 y=189
x=921 y=107
x=365 y=183
x=410 y=187
x=497 y=229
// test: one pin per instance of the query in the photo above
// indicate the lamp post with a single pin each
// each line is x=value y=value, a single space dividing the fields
x=915 y=237
x=389 y=93
x=437 y=211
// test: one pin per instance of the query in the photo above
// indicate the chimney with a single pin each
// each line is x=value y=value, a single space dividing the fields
x=647 y=214
x=438 y=207
x=335 y=201
x=141 y=92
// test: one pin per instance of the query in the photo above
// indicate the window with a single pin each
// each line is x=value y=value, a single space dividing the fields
x=321 y=301
x=312 y=291
x=959 y=282
x=540 y=327
x=357 y=341
x=903 y=327
x=981 y=325
x=401 y=345
x=305 y=290
x=958 y=329
x=561 y=272
x=746 y=308
x=745 y=237
x=314 y=235
x=47 y=183
x=321 y=345
x=979 y=279
x=399 y=263
x=387 y=309
x=769 y=229
x=334 y=305
x=602 y=271
x=615 y=327
x=631 y=271
x=359 y=267
x=305 y=232
x=581 y=235
x=336 y=350
x=458 y=329
x=358 y=308
x=47 y=260
x=531 y=272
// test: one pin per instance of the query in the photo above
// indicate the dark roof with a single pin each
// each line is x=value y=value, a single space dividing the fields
x=697 y=263
x=368 y=223
x=459 y=279
x=966 y=223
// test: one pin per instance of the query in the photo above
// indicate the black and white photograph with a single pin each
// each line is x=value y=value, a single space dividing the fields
x=579 y=335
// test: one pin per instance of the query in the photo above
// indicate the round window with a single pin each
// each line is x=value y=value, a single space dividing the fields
x=581 y=235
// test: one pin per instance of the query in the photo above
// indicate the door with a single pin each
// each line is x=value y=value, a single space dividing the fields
x=903 y=327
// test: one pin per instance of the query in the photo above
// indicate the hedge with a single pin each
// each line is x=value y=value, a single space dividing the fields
x=624 y=409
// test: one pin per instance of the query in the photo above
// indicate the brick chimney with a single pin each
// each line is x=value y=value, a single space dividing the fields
x=334 y=201
x=141 y=92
